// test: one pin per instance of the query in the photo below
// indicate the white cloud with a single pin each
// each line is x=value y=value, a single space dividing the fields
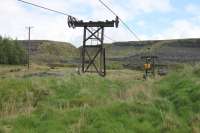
x=152 y=5
x=192 y=8
x=180 y=29
x=15 y=16
x=128 y=9
x=141 y=23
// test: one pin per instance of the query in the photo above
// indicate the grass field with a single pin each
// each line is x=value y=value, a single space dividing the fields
x=44 y=100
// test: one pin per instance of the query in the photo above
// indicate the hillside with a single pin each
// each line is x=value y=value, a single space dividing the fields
x=44 y=51
x=59 y=101
x=169 y=51
x=120 y=54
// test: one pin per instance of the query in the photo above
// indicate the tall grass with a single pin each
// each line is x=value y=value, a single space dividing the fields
x=91 y=104
x=181 y=91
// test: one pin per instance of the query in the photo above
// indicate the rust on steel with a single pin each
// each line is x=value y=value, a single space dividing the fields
x=93 y=55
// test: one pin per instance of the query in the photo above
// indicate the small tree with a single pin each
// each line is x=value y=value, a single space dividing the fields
x=11 y=52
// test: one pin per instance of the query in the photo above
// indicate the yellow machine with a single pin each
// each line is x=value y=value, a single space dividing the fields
x=147 y=66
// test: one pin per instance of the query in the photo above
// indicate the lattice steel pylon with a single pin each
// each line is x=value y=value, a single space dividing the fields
x=93 y=55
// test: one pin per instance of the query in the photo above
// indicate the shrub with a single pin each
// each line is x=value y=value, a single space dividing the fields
x=11 y=52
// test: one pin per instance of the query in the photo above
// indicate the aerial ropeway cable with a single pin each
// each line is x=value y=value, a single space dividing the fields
x=52 y=10
x=125 y=25
x=59 y=12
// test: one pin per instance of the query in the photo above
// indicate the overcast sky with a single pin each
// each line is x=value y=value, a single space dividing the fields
x=150 y=19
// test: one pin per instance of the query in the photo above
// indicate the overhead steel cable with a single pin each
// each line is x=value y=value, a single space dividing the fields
x=128 y=28
x=52 y=10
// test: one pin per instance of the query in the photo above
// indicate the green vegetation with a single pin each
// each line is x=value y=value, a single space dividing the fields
x=113 y=51
x=181 y=96
x=54 y=52
x=114 y=65
x=11 y=52
x=120 y=103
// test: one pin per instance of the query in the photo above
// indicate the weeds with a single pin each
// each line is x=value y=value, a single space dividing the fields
x=92 y=104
